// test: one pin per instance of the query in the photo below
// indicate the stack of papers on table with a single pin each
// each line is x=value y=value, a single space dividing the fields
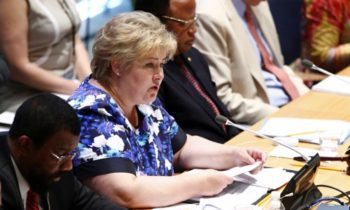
x=308 y=130
x=340 y=85
x=247 y=188
x=263 y=178
x=236 y=194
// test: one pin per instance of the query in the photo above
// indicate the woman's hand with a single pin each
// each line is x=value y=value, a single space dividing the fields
x=210 y=182
x=249 y=156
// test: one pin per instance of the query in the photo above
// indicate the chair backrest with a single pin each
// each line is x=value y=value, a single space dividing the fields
x=287 y=15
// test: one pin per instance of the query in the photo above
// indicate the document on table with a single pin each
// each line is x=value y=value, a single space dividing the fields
x=263 y=178
x=334 y=85
x=242 y=169
x=247 y=188
x=236 y=194
x=284 y=152
x=308 y=130
x=232 y=172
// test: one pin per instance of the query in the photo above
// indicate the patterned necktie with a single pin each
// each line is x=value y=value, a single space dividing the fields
x=32 y=200
x=281 y=75
x=197 y=86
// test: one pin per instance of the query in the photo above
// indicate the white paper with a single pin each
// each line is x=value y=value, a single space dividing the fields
x=181 y=206
x=232 y=172
x=7 y=118
x=242 y=169
x=236 y=194
x=308 y=130
x=246 y=189
x=4 y=128
x=284 y=152
x=263 y=178
x=334 y=85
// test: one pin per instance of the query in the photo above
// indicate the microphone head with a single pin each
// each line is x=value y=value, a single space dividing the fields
x=221 y=119
x=307 y=63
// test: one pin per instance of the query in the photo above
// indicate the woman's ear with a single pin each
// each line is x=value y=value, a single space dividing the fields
x=115 y=67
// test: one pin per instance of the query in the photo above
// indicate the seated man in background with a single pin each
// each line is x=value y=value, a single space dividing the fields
x=36 y=159
x=327 y=33
x=240 y=43
x=187 y=91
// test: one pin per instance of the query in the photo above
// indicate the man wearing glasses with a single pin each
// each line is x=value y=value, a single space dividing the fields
x=187 y=91
x=36 y=159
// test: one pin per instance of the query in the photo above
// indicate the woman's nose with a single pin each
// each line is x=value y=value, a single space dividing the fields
x=159 y=75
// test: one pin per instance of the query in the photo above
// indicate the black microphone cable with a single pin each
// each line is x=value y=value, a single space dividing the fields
x=342 y=193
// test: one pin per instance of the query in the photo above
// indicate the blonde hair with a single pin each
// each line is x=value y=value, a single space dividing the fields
x=127 y=38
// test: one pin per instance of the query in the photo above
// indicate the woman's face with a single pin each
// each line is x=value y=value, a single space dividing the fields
x=140 y=82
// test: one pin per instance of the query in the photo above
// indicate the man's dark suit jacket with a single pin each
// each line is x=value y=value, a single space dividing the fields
x=190 y=110
x=4 y=71
x=68 y=193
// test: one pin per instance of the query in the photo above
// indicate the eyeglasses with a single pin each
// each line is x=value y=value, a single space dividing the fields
x=183 y=23
x=62 y=158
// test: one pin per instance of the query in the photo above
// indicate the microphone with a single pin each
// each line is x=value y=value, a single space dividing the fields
x=224 y=121
x=308 y=64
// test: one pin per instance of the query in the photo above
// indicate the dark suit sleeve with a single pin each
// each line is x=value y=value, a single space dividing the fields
x=4 y=71
x=85 y=199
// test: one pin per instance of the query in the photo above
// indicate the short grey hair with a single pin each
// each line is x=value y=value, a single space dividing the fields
x=127 y=38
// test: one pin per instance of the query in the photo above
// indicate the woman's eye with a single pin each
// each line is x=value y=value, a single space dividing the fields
x=149 y=65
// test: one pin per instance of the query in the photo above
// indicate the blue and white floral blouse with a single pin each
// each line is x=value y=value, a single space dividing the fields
x=109 y=143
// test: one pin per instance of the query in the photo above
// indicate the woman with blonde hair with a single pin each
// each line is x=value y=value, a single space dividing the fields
x=129 y=144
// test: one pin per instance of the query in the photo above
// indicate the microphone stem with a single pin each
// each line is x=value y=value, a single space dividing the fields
x=328 y=73
x=269 y=138
x=321 y=70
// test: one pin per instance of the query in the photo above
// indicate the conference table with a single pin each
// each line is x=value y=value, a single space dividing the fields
x=313 y=105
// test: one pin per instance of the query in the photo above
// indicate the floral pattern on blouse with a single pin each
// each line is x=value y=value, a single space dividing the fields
x=106 y=133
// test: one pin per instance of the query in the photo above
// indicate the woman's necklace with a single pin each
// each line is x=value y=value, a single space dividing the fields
x=131 y=115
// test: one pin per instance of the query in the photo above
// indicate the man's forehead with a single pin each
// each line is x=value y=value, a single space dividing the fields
x=62 y=139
